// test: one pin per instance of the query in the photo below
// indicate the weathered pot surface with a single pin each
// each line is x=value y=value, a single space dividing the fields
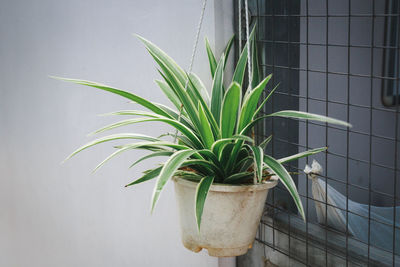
x=230 y=217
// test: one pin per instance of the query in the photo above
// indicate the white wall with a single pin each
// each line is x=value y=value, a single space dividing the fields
x=62 y=215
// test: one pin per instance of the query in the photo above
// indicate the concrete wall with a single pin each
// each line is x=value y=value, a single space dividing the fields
x=62 y=215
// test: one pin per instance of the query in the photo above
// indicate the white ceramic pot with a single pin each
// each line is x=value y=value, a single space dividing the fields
x=230 y=217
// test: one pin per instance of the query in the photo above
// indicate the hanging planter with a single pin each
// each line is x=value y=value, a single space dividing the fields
x=222 y=176
x=230 y=218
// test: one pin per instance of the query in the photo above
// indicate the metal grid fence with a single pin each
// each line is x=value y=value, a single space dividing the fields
x=337 y=58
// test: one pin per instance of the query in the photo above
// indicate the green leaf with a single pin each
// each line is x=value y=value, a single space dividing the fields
x=169 y=93
x=250 y=104
x=225 y=154
x=245 y=164
x=209 y=167
x=169 y=168
x=265 y=101
x=258 y=154
x=266 y=141
x=254 y=62
x=167 y=60
x=234 y=155
x=177 y=125
x=308 y=116
x=141 y=101
x=228 y=48
x=238 y=177
x=238 y=75
x=178 y=88
x=211 y=58
x=148 y=176
x=302 y=154
x=111 y=138
x=132 y=113
x=152 y=155
x=217 y=90
x=145 y=145
x=198 y=84
x=230 y=106
x=207 y=111
x=287 y=181
x=216 y=147
x=201 y=194
x=205 y=130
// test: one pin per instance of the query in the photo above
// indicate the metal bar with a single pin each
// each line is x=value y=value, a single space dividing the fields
x=307 y=94
x=348 y=135
x=272 y=100
x=397 y=84
x=326 y=124
x=330 y=45
x=335 y=72
x=330 y=16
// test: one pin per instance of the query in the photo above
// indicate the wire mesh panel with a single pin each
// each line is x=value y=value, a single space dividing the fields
x=338 y=58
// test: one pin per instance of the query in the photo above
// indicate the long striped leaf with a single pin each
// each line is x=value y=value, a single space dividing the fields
x=208 y=166
x=266 y=141
x=217 y=90
x=132 y=113
x=168 y=61
x=147 y=176
x=240 y=165
x=230 y=106
x=302 y=154
x=178 y=88
x=254 y=62
x=260 y=107
x=228 y=48
x=206 y=109
x=169 y=168
x=177 y=125
x=205 y=130
x=287 y=181
x=238 y=75
x=152 y=155
x=216 y=147
x=169 y=93
x=198 y=84
x=258 y=154
x=141 y=101
x=112 y=138
x=250 y=104
x=238 y=177
x=211 y=58
x=144 y=145
x=234 y=155
x=201 y=195
x=308 y=116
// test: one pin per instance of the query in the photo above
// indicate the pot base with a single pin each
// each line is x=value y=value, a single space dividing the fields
x=230 y=218
x=220 y=252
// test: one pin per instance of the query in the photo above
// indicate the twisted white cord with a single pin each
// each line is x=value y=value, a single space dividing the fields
x=192 y=57
x=240 y=26
x=248 y=41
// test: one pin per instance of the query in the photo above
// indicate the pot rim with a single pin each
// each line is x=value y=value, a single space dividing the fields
x=272 y=182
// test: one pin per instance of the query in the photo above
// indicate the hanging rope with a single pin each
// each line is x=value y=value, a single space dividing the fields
x=248 y=41
x=192 y=57
x=246 y=9
x=240 y=26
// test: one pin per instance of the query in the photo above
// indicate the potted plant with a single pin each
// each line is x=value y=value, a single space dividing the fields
x=221 y=175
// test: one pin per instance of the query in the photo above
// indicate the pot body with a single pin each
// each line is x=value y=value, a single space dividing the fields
x=230 y=217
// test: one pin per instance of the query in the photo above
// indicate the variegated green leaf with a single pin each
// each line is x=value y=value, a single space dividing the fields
x=201 y=195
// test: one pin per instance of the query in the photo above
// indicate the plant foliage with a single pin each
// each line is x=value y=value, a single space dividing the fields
x=213 y=128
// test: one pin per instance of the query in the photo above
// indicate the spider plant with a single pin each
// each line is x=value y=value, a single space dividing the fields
x=213 y=129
